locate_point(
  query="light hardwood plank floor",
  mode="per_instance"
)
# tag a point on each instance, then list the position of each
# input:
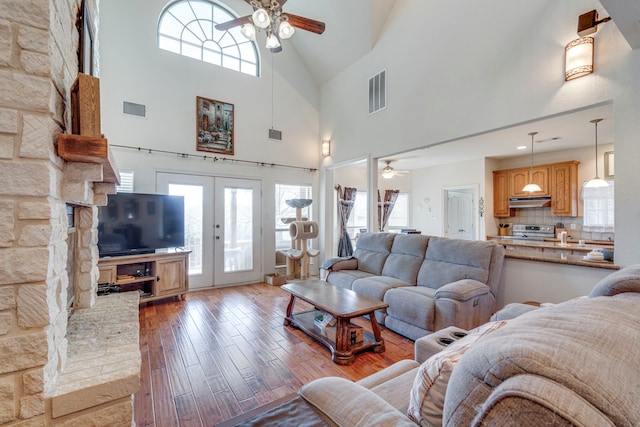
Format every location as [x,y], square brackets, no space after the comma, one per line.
[223,352]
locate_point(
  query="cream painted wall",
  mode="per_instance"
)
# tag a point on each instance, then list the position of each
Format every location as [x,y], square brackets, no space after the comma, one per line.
[509,73]
[428,191]
[134,69]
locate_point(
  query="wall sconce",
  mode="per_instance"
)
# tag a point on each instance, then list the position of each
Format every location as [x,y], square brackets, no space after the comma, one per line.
[578,59]
[326,148]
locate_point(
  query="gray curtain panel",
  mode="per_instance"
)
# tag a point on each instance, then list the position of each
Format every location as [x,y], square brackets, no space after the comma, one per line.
[386,207]
[346,199]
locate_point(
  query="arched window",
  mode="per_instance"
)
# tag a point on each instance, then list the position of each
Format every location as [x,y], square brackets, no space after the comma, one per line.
[187,27]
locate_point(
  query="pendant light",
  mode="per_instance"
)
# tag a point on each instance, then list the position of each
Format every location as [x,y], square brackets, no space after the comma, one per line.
[596,182]
[531,187]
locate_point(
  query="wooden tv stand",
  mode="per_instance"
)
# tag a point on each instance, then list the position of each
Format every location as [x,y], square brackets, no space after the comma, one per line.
[155,276]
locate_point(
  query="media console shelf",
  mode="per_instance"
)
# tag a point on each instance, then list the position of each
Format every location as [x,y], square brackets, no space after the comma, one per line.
[155,276]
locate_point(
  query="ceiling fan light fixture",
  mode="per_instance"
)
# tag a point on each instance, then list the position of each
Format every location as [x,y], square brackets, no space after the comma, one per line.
[249,31]
[285,30]
[272,41]
[261,18]
[388,172]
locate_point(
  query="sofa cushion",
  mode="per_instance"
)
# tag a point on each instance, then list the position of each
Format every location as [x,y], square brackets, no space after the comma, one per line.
[345,278]
[372,251]
[450,260]
[406,257]
[376,286]
[430,384]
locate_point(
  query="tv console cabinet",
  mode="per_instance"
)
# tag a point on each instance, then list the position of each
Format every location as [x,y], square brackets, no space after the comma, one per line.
[155,276]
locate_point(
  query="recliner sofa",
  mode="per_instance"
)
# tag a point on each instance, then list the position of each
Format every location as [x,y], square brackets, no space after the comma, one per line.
[429,282]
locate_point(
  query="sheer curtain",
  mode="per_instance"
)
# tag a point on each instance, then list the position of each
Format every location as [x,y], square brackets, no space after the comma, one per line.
[599,208]
[345,206]
[386,207]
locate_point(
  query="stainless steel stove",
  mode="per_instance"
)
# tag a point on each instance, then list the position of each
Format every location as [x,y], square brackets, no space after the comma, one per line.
[533,232]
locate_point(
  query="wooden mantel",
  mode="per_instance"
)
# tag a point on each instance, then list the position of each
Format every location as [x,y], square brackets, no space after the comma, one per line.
[89,149]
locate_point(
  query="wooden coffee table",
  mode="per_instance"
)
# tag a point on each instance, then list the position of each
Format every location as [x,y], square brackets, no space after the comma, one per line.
[344,305]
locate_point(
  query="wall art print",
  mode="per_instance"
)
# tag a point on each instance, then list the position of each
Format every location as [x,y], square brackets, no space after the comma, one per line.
[214,126]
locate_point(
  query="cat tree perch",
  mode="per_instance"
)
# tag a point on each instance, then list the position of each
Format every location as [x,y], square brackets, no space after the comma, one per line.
[298,257]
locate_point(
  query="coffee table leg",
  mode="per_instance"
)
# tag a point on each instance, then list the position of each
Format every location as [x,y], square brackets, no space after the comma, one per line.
[342,355]
[379,347]
[289,317]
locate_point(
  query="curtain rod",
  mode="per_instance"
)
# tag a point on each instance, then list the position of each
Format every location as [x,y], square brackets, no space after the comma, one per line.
[214,158]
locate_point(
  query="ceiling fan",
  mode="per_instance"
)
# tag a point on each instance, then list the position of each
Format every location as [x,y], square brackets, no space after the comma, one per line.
[389,172]
[268,16]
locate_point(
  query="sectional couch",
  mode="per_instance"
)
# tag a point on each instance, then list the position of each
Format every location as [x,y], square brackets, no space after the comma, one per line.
[568,364]
[429,282]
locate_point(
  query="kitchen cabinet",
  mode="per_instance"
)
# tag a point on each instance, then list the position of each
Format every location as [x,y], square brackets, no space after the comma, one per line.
[501,194]
[559,180]
[564,189]
[518,178]
[155,276]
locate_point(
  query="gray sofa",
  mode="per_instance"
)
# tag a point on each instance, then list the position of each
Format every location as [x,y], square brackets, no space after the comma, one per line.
[429,282]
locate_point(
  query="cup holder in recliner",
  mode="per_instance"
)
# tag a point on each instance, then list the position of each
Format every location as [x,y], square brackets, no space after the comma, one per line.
[445,341]
[457,335]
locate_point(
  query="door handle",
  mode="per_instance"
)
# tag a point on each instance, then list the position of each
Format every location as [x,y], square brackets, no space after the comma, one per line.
[217,237]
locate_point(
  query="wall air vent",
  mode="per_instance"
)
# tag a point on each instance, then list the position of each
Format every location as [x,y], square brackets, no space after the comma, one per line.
[133,109]
[275,134]
[378,92]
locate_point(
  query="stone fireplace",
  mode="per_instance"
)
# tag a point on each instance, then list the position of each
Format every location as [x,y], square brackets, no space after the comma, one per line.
[46,354]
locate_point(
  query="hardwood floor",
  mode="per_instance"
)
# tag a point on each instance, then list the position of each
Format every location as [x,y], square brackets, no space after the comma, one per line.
[223,352]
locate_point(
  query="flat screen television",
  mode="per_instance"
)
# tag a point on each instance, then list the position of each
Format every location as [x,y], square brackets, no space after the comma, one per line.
[134,223]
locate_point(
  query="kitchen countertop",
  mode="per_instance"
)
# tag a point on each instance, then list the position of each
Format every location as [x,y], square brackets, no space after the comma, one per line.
[534,251]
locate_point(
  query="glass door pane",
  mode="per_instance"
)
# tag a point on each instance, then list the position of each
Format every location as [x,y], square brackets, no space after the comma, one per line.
[193,222]
[238,229]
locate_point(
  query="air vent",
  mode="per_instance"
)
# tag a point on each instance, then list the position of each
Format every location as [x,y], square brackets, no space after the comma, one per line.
[378,92]
[275,134]
[133,109]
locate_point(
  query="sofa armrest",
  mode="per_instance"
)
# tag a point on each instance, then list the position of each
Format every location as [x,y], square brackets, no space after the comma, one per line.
[346,403]
[462,290]
[340,263]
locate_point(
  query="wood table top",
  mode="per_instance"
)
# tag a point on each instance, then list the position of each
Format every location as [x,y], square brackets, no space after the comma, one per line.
[332,299]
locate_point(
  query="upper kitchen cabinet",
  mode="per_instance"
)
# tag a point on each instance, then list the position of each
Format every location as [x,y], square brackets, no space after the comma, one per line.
[559,180]
[564,189]
[518,178]
[501,194]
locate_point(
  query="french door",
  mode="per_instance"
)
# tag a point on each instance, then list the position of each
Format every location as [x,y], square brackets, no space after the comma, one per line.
[222,227]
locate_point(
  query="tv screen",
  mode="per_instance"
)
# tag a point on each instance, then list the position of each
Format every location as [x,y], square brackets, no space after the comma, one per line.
[133,223]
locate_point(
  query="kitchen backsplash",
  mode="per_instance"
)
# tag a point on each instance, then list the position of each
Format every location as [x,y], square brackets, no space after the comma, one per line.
[543,216]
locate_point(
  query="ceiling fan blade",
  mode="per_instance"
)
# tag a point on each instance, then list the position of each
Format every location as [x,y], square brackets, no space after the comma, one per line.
[306,23]
[233,23]
[282,2]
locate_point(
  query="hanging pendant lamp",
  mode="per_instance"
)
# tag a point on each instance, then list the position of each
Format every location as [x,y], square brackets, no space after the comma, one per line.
[531,187]
[596,182]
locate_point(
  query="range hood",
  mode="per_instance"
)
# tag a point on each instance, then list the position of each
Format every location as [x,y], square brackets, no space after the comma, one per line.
[529,202]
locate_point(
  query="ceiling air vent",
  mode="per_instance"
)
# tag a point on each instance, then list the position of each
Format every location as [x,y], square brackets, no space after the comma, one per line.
[378,92]
[133,109]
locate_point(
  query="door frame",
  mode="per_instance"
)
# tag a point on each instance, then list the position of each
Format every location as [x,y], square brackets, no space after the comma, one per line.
[474,189]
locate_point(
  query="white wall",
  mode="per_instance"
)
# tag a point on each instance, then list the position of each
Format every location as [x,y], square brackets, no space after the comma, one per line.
[478,77]
[428,191]
[134,69]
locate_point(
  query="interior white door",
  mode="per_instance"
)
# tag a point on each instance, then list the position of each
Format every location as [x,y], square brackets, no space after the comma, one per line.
[460,215]
[237,231]
[198,193]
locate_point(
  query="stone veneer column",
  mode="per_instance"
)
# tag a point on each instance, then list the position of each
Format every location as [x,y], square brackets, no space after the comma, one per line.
[38,65]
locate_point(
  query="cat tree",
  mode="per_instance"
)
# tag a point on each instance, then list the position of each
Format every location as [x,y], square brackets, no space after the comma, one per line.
[298,257]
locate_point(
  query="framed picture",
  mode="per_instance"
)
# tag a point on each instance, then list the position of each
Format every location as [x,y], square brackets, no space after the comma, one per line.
[608,164]
[214,126]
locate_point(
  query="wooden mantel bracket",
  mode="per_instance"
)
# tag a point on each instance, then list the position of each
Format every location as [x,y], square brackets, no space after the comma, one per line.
[89,149]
